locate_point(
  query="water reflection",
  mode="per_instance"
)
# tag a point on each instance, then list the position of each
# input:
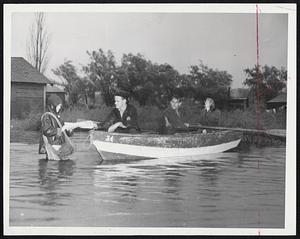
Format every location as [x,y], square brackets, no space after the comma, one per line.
[173,183]
[223,190]
[50,172]
[209,169]
[51,175]
[238,160]
[126,187]
[130,189]
[208,179]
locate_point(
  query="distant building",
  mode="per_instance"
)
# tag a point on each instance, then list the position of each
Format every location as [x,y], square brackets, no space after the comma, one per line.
[239,98]
[278,102]
[28,88]
[55,90]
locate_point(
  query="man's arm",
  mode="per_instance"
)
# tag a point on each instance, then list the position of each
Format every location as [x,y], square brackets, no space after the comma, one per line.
[109,120]
[48,128]
[132,121]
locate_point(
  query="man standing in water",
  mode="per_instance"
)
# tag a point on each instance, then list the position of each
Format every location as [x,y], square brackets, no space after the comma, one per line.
[123,118]
[51,129]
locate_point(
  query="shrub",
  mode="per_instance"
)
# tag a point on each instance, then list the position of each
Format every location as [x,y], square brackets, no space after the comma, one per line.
[240,119]
[247,119]
[150,117]
[32,122]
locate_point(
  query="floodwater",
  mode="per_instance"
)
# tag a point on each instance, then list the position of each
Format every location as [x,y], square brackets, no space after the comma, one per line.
[229,190]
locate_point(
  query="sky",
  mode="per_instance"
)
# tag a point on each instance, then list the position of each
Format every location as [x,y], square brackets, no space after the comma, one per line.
[223,41]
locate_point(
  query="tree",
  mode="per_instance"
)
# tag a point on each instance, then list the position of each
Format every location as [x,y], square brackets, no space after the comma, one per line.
[76,86]
[89,91]
[38,44]
[271,80]
[146,82]
[166,82]
[102,71]
[208,82]
[133,77]
[187,88]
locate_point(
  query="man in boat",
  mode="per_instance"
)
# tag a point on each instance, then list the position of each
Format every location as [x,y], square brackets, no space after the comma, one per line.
[173,117]
[51,129]
[123,118]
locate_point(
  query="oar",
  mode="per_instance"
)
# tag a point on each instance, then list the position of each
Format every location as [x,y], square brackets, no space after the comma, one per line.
[227,128]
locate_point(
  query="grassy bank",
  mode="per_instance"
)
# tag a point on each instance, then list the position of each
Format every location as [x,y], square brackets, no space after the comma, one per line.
[149,118]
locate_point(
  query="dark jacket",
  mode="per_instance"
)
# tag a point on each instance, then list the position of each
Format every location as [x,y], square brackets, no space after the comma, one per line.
[210,118]
[49,128]
[129,119]
[176,121]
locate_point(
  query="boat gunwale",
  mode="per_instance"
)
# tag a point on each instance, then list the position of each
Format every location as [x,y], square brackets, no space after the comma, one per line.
[155,134]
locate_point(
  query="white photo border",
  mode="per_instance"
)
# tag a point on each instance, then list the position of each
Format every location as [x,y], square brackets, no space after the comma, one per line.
[290,186]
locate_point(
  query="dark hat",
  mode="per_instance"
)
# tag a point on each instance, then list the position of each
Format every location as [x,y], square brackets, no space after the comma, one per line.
[121,93]
[177,93]
[54,100]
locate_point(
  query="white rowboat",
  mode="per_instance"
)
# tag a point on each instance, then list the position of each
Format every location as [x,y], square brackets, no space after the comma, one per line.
[120,146]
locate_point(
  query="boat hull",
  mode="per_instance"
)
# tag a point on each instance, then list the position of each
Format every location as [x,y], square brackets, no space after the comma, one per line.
[116,146]
[109,151]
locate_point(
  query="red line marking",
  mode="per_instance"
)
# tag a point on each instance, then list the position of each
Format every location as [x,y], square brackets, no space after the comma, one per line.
[258,125]
[257,40]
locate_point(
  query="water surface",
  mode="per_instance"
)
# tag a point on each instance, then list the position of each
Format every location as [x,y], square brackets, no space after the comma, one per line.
[237,189]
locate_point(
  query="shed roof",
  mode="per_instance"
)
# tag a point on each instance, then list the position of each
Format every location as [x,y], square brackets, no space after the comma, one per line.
[54,89]
[281,98]
[23,71]
[239,93]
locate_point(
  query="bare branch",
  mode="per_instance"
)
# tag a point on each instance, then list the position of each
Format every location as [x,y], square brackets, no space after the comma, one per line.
[38,44]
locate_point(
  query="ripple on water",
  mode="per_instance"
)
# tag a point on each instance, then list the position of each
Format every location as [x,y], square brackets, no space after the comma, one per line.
[222,190]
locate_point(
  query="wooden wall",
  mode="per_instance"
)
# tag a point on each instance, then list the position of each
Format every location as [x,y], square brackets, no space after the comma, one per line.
[27,97]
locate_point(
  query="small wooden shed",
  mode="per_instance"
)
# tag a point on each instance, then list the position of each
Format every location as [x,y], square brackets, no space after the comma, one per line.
[238,98]
[28,88]
[55,90]
[278,102]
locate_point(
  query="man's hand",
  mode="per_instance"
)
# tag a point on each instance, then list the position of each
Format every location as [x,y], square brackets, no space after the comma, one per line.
[95,126]
[168,124]
[59,131]
[113,127]
[63,128]
[122,125]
